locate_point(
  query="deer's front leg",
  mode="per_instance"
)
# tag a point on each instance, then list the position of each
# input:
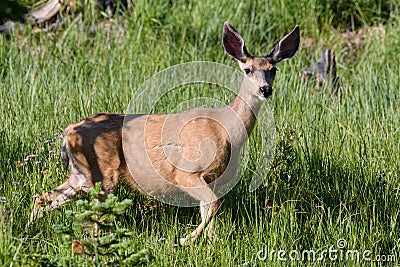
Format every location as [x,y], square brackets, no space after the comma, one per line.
[196,187]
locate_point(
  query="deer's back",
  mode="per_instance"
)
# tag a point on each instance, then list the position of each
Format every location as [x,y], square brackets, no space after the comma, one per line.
[149,150]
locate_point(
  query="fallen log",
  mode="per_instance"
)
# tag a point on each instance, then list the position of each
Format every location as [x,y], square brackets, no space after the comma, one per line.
[45,12]
[48,12]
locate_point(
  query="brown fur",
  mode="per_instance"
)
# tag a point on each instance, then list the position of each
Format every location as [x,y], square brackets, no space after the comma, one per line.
[162,154]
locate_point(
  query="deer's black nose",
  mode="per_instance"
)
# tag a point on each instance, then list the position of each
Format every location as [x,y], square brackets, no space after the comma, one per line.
[266,91]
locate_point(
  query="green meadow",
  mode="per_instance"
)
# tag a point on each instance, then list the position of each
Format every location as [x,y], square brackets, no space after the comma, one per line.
[334,183]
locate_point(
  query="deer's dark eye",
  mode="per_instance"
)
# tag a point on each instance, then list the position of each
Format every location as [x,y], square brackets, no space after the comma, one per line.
[272,71]
[247,71]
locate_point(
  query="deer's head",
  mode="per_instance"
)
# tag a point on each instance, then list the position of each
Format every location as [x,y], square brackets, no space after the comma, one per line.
[260,70]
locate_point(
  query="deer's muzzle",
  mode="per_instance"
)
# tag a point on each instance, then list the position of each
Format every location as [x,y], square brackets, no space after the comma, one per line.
[266,91]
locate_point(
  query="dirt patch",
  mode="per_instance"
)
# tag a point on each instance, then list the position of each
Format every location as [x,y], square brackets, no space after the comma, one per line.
[356,39]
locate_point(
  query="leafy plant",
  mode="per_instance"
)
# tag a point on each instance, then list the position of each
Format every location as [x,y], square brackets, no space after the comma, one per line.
[36,260]
[94,231]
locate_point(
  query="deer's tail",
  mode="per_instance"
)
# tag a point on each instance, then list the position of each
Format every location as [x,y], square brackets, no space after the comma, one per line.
[65,151]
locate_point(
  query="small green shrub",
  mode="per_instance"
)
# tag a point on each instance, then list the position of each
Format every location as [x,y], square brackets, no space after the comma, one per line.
[94,231]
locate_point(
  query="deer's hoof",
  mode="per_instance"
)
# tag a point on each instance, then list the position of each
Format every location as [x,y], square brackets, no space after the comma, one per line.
[184,241]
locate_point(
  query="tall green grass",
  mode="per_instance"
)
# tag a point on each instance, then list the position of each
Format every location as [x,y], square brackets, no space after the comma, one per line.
[336,170]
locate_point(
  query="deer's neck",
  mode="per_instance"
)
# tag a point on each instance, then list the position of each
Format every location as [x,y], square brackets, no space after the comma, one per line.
[245,107]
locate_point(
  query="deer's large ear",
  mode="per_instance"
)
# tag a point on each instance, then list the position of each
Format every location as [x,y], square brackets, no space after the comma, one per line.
[234,43]
[286,47]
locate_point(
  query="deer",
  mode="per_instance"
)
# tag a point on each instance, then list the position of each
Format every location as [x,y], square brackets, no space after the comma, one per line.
[163,154]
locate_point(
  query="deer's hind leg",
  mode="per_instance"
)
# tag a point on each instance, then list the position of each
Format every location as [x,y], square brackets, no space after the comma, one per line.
[77,181]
